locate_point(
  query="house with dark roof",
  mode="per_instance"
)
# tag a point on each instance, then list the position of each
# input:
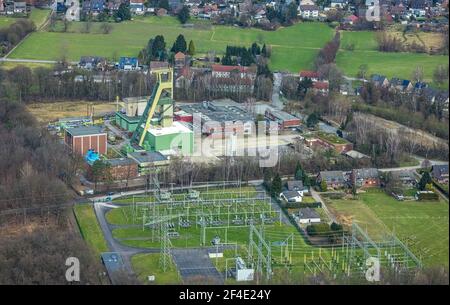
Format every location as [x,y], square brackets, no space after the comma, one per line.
[291,196]
[380,80]
[440,173]
[333,179]
[92,63]
[309,11]
[137,7]
[365,177]
[128,63]
[405,177]
[402,85]
[296,185]
[308,216]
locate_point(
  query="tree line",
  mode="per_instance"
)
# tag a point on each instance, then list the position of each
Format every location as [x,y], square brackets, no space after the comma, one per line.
[13,34]
[156,49]
[58,83]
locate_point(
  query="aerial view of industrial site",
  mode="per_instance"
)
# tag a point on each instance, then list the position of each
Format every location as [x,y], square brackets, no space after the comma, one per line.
[240,144]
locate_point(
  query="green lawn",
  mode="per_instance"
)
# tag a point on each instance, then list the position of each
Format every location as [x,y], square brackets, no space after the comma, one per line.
[38,16]
[89,227]
[7,21]
[389,64]
[423,226]
[148,264]
[294,47]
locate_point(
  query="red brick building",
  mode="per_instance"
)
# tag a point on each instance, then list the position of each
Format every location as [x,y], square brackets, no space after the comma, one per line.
[119,169]
[81,139]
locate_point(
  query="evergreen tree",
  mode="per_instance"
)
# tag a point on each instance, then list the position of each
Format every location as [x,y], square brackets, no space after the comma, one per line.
[183,14]
[323,186]
[123,13]
[276,185]
[156,48]
[179,45]
[312,120]
[191,48]
[299,173]
[424,180]
[264,51]
[164,4]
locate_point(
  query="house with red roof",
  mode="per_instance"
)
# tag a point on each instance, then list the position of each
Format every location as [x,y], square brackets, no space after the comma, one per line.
[321,87]
[312,75]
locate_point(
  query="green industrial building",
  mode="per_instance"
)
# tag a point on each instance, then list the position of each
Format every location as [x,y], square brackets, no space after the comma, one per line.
[128,123]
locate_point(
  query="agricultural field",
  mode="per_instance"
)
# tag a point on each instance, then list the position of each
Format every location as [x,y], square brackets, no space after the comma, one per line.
[390,64]
[422,226]
[48,112]
[89,228]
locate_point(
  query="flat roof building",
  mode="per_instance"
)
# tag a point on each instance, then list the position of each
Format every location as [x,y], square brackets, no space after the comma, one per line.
[83,138]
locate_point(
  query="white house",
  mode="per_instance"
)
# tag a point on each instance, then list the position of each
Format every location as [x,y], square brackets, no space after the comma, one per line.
[338,3]
[308,216]
[309,11]
[292,196]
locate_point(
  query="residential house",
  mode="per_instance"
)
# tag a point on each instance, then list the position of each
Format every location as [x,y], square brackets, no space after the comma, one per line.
[402,85]
[365,177]
[161,12]
[179,60]
[309,11]
[352,19]
[333,179]
[419,86]
[405,177]
[338,3]
[291,196]
[440,173]
[380,80]
[128,63]
[308,216]
[296,185]
[320,87]
[157,65]
[233,78]
[137,7]
[93,7]
[312,75]
[20,7]
[398,10]
[92,63]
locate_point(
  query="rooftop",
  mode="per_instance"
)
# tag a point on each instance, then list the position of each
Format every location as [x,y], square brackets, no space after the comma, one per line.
[119,161]
[147,156]
[85,130]
[176,127]
[308,213]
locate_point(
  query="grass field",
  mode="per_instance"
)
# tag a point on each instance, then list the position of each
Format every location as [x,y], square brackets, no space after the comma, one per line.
[389,64]
[7,21]
[294,47]
[39,16]
[423,226]
[148,264]
[48,112]
[90,230]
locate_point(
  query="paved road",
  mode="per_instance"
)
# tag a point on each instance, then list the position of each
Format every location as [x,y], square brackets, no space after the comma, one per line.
[114,246]
[195,264]
[317,197]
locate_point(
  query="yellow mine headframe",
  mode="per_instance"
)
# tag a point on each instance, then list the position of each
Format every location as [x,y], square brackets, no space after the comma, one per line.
[164,84]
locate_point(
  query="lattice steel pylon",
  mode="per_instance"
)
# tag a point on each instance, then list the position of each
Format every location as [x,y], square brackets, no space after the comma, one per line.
[263,251]
[166,246]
